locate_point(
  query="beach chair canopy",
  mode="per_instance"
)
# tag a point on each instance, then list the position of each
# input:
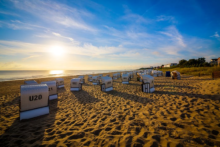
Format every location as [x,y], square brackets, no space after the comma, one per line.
[107,81]
[31,82]
[33,96]
[168,74]
[75,83]
[59,81]
[175,74]
[82,77]
[52,87]
[125,77]
[148,79]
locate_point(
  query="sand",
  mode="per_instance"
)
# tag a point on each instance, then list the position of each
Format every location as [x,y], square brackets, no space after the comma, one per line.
[179,113]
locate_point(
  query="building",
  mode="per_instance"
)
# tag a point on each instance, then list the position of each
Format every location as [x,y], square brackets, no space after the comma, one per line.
[214,61]
[171,64]
[219,61]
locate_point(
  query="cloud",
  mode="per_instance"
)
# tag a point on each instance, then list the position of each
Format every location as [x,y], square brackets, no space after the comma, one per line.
[9,13]
[134,18]
[166,18]
[18,25]
[69,38]
[157,53]
[216,35]
[9,65]
[52,11]
[33,56]
[174,34]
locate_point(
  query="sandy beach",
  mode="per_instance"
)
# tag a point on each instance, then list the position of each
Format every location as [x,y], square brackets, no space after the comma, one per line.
[179,113]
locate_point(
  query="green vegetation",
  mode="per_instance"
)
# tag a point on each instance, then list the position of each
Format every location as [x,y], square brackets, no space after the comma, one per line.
[200,62]
[195,71]
[193,67]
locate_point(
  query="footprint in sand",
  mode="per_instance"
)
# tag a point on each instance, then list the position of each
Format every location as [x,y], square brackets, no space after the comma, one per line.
[108,129]
[156,137]
[215,132]
[96,132]
[77,135]
[173,119]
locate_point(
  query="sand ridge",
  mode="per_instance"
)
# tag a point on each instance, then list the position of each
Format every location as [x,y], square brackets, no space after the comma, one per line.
[179,113]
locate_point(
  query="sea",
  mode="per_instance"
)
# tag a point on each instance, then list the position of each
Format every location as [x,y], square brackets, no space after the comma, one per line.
[32,74]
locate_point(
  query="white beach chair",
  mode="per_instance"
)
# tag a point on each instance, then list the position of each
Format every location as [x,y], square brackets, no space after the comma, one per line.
[125,79]
[34,101]
[30,82]
[95,80]
[106,84]
[115,76]
[90,78]
[60,82]
[52,87]
[147,83]
[75,84]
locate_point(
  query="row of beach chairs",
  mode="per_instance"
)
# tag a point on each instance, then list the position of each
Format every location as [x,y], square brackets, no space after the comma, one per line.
[34,97]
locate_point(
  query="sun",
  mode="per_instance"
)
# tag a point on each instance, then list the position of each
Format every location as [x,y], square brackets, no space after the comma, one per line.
[56,50]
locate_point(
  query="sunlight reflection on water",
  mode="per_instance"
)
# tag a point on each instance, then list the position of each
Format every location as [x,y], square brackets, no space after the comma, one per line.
[56,72]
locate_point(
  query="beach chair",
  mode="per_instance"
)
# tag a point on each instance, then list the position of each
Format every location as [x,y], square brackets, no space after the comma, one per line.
[30,82]
[34,101]
[168,74]
[175,75]
[75,84]
[60,82]
[125,79]
[82,80]
[147,83]
[118,75]
[139,76]
[106,84]
[90,78]
[95,80]
[100,76]
[52,88]
[154,73]
[115,76]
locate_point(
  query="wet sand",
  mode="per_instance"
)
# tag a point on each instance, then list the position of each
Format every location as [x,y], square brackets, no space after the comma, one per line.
[179,113]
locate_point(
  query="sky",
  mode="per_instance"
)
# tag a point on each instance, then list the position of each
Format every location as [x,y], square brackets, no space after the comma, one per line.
[106,34]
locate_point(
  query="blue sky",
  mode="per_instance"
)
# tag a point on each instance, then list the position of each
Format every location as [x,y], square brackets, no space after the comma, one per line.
[106,34]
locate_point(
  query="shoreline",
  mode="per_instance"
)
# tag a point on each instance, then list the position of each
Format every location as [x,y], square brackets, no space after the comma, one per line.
[56,76]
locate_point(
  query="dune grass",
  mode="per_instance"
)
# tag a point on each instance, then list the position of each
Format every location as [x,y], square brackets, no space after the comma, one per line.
[195,71]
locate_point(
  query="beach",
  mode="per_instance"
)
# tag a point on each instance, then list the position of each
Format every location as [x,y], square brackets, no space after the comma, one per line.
[179,113]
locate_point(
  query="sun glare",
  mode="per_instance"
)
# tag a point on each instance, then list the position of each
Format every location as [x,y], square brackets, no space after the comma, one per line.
[56,50]
[56,72]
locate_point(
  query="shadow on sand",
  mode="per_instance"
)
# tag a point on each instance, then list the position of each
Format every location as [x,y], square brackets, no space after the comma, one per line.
[61,90]
[132,97]
[84,97]
[27,132]
[202,96]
